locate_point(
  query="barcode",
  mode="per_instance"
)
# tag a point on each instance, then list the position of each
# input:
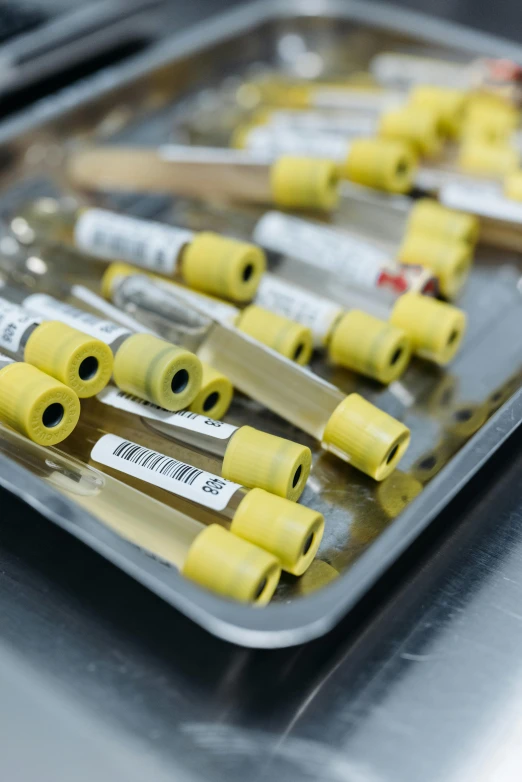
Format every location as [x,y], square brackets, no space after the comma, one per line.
[157,462]
[145,403]
[119,246]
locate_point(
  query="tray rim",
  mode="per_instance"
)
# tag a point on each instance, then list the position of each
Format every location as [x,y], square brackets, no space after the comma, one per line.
[314,615]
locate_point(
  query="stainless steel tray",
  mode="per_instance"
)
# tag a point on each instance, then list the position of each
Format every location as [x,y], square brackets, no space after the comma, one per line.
[458,418]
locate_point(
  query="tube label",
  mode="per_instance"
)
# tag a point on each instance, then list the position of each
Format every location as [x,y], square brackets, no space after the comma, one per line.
[350,259]
[313,311]
[144,243]
[482,200]
[348,123]
[14,322]
[183,419]
[156,468]
[276,141]
[49,308]
[206,305]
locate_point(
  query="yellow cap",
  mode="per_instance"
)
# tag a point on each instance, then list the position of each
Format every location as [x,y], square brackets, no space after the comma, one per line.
[370,346]
[158,371]
[480,157]
[231,567]
[215,395]
[416,125]
[435,328]
[283,335]
[366,437]
[289,531]
[494,122]
[513,186]
[280,93]
[222,266]
[305,183]
[37,405]
[447,102]
[381,163]
[81,362]
[396,492]
[430,217]
[449,259]
[261,460]
[116,271]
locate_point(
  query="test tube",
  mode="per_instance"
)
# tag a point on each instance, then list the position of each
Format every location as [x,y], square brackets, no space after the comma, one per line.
[35,404]
[144,365]
[210,556]
[293,182]
[350,427]
[288,531]
[80,361]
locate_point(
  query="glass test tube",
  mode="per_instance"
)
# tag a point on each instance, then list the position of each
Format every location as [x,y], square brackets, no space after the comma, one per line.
[415,125]
[242,454]
[76,359]
[35,404]
[144,365]
[174,252]
[350,426]
[210,556]
[289,531]
[209,173]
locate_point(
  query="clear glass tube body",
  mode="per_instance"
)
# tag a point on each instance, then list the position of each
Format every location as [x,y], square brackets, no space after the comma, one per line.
[163,531]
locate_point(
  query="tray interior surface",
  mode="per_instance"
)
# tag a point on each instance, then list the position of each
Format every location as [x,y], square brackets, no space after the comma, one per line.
[443,408]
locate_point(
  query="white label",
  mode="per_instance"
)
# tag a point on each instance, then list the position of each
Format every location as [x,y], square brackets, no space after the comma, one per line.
[350,124]
[156,468]
[352,260]
[482,200]
[406,70]
[297,304]
[356,99]
[275,141]
[52,309]
[142,242]
[183,419]
[206,305]
[14,322]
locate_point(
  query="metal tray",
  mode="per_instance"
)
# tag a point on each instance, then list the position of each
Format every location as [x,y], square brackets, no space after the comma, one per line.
[458,418]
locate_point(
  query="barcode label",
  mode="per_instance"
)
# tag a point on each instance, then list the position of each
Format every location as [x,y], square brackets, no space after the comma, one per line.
[482,200]
[52,309]
[347,123]
[145,243]
[275,141]
[183,419]
[350,259]
[167,473]
[14,322]
[296,304]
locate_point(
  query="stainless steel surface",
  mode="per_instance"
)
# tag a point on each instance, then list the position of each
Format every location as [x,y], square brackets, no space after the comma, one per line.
[368,525]
[422,682]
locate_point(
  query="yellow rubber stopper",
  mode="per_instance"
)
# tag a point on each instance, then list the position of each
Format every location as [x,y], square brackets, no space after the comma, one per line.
[370,346]
[305,183]
[449,259]
[36,405]
[261,460]
[289,531]
[381,163]
[419,126]
[215,395]
[447,102]
[158,371]
[494,122]
[283,335]
[430,217]
[495,160]
[513,186]
[366,437]
[435,328]
[222,266]
[79,361]
[231,567]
